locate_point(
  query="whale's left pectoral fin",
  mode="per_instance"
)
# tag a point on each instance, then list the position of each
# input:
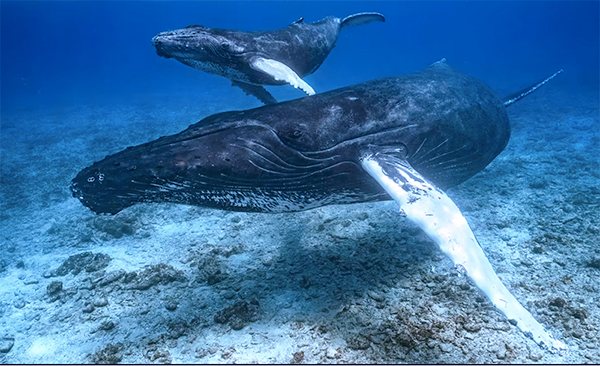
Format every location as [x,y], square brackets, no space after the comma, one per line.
[435,213]
[258,91]
[281,72]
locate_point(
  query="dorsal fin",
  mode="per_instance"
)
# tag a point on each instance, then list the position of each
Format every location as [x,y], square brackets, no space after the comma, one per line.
[361,18]
[525,92]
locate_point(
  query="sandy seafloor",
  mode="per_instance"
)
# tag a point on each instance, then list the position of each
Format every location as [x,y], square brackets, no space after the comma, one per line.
[339,284]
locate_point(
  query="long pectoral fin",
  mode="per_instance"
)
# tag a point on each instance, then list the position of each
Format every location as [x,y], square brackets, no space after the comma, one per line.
[258,91]
[281,72]
[436,214]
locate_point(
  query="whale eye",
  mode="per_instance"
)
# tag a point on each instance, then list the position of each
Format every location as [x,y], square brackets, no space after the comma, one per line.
[294,135]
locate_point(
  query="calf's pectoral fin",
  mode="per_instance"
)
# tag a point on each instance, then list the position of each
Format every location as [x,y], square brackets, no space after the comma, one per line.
[258,91]
[281,72]
[435,213]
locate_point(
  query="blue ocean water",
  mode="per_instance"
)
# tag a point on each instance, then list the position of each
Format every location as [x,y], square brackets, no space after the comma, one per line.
[62,52]
[80,80]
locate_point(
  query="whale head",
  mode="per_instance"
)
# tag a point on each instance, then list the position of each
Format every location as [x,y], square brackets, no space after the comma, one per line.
[197,44]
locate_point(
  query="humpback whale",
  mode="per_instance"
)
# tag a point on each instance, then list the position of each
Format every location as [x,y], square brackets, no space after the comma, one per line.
[253,59]
[404,138]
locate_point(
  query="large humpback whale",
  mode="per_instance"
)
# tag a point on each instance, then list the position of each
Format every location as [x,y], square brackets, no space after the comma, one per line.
[404,138]
[253,59]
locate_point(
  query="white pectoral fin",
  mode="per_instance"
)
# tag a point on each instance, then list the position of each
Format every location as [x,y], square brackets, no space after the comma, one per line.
[281,72]
[436,214]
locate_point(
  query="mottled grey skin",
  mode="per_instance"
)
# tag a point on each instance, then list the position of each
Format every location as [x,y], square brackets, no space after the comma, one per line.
[306,153]
[230,53]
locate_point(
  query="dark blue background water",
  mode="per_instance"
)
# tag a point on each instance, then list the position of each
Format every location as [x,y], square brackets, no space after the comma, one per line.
[77,52]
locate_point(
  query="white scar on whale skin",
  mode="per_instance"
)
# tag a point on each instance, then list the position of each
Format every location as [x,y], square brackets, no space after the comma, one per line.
[435,213]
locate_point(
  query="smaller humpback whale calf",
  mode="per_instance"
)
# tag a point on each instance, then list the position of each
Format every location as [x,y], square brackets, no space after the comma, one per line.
[253,59]
[404,138]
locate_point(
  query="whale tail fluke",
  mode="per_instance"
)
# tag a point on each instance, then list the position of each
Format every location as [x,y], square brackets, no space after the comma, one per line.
[361,18]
